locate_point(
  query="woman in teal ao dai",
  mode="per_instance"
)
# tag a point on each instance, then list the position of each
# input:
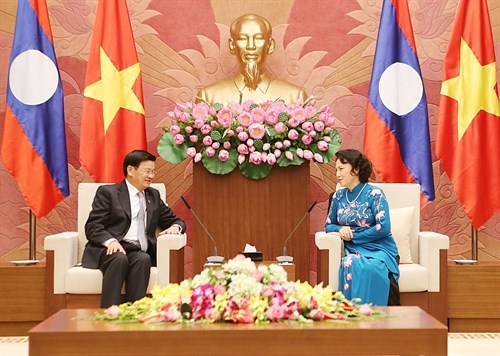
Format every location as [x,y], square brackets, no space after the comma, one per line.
[360,214]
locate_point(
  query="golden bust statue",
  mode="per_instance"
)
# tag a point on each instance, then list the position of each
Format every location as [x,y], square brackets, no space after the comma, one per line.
[251,41]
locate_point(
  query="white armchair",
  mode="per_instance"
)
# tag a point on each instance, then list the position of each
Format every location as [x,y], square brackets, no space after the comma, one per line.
[69,280]
[421,280]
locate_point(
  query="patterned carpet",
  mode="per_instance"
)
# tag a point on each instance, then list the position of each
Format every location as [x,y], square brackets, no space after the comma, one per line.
[459,344]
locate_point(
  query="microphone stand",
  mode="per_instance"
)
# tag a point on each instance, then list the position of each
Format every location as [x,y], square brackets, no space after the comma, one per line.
[285,259]
[215,259]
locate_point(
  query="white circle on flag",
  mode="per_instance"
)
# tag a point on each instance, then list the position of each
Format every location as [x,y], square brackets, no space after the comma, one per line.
[400,88]
[33,77]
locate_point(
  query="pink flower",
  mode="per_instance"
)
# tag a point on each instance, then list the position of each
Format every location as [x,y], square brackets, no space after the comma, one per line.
[272,118]
[223,155]
[300,152]
[189,130]
[258,115]
[242,149]
[210,152]
[241,158]
[242,136]
[197,158]
[271,159]
[293,134]
[200,111]
[178,139]
[216,145]
[306,139]
[322,146]
[365,310]
[266,146]
[191,152]
[256,158]
[257,275]
[245,119]
[230,133]
[277,153]
[293,122]
[227,145]
[318,158]
[207,140]
[307,126]
[174,130]
[319,126]
[112,312]
[346,286]
[213,124]
[349,277]
[299,114]
[225,117]
[289,155]
[287,143]
[172,315]
[205,129]
[278,145]
[198,124]
[280,127]
[275,313]
[256,131]
[193,138]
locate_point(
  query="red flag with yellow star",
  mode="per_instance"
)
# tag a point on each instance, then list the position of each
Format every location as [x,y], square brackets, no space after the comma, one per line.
[468,137]
[113,121]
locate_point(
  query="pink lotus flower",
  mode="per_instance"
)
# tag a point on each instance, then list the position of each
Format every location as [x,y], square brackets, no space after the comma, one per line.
[272,117]
[293,122]
[287,143]
[191,152]
[200,111]
[207,140]
[275,313]
[223,155]
[293,134]
[289,155]
[216,145]
[189,130]
[256,131]
[225,117]
[256,158]
[197,158]
[241,159]
[174,129]
[277,153]
[306,139]
[193,138]
[227,145]
[210,152]
[178,139]
[242,136]
[205,129]
[245,119]
[280,127]
[300,152]
[307,126]
[271,159]
[258,115]
[322,146]
[319,126]
[318,158]
[242,149]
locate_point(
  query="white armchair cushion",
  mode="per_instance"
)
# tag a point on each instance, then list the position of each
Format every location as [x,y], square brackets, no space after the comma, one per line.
[81,280]
[413,278]
[401,220]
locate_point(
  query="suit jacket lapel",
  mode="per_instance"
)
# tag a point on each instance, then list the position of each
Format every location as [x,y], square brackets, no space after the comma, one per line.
[124,198]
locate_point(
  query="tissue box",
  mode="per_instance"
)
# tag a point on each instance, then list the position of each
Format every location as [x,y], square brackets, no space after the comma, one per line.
[254,256]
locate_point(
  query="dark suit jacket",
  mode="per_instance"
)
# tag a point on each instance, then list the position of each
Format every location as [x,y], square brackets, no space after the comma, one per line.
[111,217]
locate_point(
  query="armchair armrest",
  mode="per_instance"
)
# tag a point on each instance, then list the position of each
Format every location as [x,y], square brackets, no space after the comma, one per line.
[429,244]
[164,245]
[333,243]
[65,247]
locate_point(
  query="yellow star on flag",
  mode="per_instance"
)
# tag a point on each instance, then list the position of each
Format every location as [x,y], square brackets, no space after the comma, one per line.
[473,89]
[115,89]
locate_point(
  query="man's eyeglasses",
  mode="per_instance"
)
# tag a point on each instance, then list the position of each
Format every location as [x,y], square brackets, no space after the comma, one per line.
[148,172]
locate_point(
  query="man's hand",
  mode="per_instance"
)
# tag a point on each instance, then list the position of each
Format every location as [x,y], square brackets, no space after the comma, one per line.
[174,229]
[115,246]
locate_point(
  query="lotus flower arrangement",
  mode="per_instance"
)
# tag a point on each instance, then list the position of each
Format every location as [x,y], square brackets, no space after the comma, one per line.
[253,136]
[240,292]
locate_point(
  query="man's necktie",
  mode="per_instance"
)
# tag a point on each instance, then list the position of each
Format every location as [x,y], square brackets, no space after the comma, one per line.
[141,227]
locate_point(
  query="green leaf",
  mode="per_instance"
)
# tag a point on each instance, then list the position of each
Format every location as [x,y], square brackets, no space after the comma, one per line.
[254,171]
[215,166]
[285,162]
[170,151]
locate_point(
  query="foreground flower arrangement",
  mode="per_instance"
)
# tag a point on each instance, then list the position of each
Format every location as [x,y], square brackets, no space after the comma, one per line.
[254,136]
[240,292]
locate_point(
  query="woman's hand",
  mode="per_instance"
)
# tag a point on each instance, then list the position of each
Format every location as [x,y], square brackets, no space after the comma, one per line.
[346,233]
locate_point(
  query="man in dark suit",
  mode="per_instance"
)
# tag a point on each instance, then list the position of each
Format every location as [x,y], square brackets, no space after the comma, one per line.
[121,230]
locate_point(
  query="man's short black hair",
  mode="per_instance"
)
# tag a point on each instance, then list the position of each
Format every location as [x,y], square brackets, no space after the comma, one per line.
[135,158]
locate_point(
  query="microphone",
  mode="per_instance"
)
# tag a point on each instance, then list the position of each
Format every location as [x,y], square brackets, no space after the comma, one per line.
[289,259]
[215,259]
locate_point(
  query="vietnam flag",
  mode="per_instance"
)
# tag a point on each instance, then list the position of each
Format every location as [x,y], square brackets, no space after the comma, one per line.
[397,137]
[113,121]
[34,137]
[468,140]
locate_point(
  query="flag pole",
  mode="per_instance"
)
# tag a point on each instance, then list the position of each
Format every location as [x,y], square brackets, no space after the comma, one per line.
[32,236]
[474,243]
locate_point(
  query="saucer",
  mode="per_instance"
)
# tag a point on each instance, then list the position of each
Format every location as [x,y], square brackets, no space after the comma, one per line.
[465,262]
[24,262]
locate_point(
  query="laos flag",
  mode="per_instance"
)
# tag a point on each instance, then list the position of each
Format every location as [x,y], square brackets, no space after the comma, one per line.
[397,137]
[34,141]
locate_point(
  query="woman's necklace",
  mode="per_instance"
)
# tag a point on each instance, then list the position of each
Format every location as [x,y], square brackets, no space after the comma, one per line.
[351,202]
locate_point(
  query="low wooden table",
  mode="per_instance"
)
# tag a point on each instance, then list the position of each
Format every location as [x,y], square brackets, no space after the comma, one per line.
[406,331]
